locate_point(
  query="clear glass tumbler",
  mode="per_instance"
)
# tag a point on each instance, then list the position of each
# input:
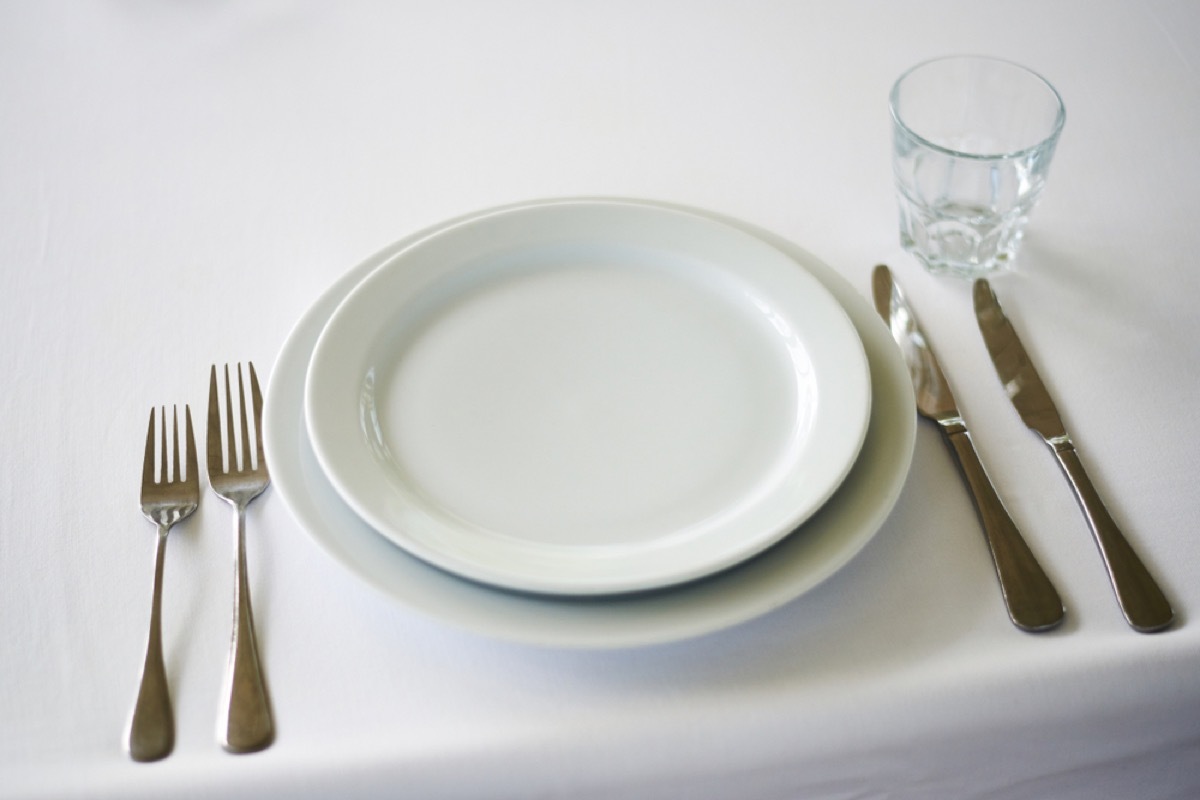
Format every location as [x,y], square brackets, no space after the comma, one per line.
[973,138]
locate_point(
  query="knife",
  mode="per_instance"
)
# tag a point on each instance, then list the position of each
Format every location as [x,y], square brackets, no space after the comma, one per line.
[1141,600]
[1030,598]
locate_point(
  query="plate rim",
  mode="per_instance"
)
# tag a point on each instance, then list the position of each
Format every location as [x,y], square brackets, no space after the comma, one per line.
[518,564]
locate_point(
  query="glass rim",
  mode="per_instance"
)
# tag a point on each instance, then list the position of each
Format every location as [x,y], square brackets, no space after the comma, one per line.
[1059,121]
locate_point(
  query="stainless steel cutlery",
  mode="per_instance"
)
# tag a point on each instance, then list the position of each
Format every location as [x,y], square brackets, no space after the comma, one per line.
[1032,602]
[238,475]
[1142,602]
[237,472]
[172,497]
[1030,598]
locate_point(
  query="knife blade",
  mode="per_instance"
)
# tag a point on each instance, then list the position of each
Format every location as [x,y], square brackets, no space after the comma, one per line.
[1141,600]
[1032,602]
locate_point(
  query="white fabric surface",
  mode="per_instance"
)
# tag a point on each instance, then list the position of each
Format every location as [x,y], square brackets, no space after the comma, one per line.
[180,181]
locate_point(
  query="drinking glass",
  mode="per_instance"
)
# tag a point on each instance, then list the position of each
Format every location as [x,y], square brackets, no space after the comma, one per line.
[973,138]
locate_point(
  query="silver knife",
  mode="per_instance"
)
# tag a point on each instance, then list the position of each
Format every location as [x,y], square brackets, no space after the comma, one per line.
[1141,600]
[1030,598]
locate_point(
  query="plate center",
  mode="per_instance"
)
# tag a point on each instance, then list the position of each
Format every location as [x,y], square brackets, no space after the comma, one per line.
[592,404]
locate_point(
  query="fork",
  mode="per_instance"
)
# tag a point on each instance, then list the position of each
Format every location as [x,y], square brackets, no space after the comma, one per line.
[151,732]
[246,710]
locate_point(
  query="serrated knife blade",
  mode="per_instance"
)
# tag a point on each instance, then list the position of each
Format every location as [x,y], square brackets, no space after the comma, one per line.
[1141,600]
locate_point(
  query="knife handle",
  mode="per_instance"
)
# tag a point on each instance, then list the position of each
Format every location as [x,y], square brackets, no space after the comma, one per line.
[1142,602]
[1032,601]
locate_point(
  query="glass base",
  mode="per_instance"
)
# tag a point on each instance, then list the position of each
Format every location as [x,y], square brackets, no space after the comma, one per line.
[958,269]
[961,242]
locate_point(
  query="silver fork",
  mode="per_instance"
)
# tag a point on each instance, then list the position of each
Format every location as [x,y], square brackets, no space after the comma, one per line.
[246,710]
[151,732]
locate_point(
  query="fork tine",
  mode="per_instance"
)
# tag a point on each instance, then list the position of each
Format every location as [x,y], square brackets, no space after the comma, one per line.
[175,444]
[162,458]
[213,444]
[246,465]
[148,461]
[193,470]
[229,434]
[256,397]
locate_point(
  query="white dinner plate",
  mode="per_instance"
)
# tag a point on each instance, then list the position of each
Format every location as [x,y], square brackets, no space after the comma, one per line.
[587,397]
[831,538]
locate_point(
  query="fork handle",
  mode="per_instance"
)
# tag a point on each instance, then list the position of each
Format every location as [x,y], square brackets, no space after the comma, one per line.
[248,723]
[151,733]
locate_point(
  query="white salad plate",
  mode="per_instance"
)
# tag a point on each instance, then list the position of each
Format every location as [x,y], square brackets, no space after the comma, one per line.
[587,397]
[842,527]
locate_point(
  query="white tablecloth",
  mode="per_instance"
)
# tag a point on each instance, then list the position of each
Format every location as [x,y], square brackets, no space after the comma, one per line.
[180,181]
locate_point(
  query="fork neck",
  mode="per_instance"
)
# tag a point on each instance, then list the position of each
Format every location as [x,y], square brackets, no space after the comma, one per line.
[165,519]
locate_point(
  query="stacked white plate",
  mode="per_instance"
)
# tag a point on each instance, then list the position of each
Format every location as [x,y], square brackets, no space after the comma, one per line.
[590,423]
